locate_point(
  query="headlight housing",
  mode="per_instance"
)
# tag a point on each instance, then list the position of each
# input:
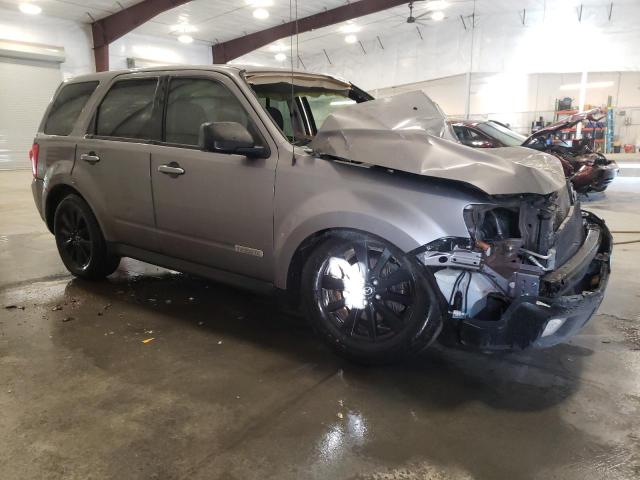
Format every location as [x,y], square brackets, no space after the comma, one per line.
[488,223]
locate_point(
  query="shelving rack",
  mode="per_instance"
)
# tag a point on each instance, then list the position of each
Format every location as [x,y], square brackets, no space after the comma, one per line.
[600,138]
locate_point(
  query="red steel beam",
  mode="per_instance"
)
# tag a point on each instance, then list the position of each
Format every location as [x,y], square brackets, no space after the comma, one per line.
[226,51]
[110,28]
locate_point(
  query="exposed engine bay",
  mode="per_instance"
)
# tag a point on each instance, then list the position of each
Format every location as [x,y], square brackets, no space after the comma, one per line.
[525,248]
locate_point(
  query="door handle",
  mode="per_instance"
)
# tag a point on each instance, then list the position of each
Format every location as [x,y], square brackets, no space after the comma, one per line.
[90,157]
[171,169]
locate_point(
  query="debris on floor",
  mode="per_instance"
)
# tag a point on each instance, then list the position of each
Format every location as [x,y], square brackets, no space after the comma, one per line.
[13,307]
[67,319]
[56,308]
[147,340]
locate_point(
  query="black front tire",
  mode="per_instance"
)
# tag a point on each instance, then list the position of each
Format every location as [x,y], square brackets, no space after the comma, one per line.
[80,242]
[369,301]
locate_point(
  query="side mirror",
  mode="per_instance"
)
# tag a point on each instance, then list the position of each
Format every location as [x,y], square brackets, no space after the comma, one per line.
[229,137]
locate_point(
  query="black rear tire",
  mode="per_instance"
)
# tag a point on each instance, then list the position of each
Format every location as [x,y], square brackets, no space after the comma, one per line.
[368,301]
[80,242]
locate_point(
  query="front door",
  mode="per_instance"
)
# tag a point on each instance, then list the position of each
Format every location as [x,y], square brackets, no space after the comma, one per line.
[112,162]
[213,209]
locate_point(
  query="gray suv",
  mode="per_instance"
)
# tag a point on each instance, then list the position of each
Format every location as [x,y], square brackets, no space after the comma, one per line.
[388,233]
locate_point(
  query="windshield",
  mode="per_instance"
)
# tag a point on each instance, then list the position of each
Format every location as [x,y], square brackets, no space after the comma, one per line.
[300,113]
[501,133]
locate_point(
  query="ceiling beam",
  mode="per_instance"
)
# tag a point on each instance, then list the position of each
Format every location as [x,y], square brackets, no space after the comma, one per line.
[226,51]
[108,29]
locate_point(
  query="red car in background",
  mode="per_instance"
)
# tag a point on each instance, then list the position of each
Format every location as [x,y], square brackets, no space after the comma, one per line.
[589,171]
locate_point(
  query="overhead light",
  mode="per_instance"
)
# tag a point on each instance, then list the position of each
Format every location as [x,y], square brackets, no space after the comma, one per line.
[437,16]
[281,57]
[185,39]
[576,86]
[437,5]
[277,47]
[183,27]
[351,39]
[350,28]
[30,8]
[261,13]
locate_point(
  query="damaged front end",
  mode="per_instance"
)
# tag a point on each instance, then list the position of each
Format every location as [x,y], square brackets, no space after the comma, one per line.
[531,274]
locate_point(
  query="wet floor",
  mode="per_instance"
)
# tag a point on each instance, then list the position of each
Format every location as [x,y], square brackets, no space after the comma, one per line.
[160,375]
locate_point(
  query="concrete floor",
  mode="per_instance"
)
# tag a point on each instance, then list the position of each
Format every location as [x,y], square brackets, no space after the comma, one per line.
[232,388]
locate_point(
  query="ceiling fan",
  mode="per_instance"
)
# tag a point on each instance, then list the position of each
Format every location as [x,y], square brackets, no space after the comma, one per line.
[417,18]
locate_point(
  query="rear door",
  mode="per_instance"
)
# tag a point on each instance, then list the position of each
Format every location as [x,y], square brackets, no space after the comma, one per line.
[112,162]
[219,211]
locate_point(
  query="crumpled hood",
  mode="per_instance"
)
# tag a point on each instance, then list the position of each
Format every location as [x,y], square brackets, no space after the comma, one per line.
[409,132]
[568,122]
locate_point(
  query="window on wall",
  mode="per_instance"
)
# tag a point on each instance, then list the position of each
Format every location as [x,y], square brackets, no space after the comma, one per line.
[194,101]
[67,107]
[127,110]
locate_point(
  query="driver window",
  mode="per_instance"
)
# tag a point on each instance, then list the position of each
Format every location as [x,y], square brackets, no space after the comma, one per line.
[194,101]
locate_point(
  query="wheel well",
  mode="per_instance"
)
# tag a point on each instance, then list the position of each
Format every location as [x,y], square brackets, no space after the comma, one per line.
[294,274]
[53,199]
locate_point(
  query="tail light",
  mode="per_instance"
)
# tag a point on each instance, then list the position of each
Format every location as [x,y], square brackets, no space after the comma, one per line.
[33,156]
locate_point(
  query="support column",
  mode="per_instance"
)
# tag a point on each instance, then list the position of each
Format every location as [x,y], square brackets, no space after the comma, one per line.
[101,56]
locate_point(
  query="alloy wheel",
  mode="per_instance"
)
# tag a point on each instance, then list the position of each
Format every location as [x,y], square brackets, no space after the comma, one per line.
[365,292]
[75,236]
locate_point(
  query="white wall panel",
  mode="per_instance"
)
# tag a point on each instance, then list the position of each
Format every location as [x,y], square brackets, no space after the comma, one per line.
[156,49]
[74,37]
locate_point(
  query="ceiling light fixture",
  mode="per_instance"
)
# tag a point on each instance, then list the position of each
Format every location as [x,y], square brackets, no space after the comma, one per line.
[277,47]
[351,39]
[261,13]
[281,57]
[183,27]
[30,8]
[350,28]
[437,16]
[185,39]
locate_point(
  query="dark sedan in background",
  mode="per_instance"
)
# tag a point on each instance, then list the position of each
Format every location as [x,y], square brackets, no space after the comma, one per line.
[589,171]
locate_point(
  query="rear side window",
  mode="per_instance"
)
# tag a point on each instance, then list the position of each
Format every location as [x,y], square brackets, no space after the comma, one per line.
[127,109]
[67,107]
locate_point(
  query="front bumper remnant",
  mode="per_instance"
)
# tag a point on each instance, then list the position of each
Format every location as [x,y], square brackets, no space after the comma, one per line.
[572,294]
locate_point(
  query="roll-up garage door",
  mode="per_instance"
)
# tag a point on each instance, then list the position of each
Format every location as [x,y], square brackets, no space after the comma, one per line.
[26,87]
